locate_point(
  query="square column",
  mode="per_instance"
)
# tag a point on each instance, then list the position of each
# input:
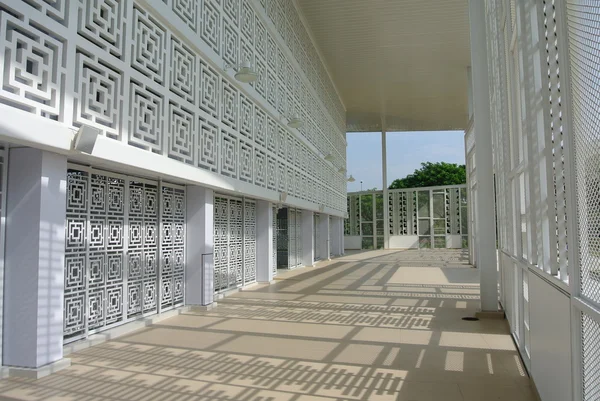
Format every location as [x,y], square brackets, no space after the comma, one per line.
[484,199]
[34,262]
[199,267]
[264,241]
[324,245]
[308,243]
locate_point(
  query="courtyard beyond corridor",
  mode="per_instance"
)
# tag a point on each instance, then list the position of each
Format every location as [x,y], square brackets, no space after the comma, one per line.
[377,325]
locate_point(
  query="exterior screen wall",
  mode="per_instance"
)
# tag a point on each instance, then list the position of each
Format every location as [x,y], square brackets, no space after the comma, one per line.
[235,242]
[433,217]
[114,270]
[149,74]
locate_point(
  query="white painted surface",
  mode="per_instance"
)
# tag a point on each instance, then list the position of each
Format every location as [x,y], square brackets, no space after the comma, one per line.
[199,287]
[324,247]
[486,225]
[453,241]
[419,48]
[308,242]
[264,241]
[550,333]
[404,241]
[352,242]
[34,259]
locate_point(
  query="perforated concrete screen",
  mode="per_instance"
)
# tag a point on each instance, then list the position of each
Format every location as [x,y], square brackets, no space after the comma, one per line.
[151,75]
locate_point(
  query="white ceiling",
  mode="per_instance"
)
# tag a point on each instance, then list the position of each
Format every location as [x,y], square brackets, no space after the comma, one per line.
[405,59]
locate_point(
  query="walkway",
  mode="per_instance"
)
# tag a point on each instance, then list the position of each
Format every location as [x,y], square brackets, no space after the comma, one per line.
[378,325]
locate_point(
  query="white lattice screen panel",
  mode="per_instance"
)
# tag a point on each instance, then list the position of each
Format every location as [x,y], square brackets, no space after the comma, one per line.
[407,218]
[149,74]
[274,251]
[235,242]
[114,269]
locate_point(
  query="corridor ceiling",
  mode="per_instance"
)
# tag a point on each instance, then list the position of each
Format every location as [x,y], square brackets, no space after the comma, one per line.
[404,59]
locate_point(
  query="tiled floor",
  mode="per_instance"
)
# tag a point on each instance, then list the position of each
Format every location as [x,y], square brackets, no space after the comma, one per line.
[379,325]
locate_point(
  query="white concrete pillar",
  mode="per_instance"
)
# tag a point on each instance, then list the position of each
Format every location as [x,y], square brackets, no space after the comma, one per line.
[324,237]
[199,268]
[486,229]
[264,241]
[308,243]
[386,211]
[34,259]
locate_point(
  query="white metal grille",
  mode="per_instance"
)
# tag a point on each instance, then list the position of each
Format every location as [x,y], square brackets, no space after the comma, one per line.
[590,348]
[111,256]
[274,251]
[317,236]
[172,246]
[583,18]
[249,242]
[434,214]
[235,242]
[142,251]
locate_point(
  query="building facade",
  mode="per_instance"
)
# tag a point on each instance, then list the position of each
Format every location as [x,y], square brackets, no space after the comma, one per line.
[140,173]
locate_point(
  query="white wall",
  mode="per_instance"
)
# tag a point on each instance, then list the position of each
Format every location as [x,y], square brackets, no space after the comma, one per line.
[550,336]
[34,258]
[199,267]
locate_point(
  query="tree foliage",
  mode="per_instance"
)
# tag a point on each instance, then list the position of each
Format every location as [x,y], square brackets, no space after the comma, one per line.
[433,174]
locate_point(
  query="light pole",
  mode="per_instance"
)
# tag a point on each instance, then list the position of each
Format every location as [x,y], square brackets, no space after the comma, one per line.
[360,185]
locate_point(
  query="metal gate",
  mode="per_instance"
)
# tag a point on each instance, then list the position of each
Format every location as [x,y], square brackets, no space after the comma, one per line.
[295,248]
[317,236]
[118,227]
[235,242]
[274,255]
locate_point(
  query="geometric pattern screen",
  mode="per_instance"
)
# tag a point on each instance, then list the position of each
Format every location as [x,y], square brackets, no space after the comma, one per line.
[150,75]
[234,242]
[114,271]
[432,214]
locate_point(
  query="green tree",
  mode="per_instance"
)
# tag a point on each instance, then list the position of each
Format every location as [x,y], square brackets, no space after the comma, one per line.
[433,174]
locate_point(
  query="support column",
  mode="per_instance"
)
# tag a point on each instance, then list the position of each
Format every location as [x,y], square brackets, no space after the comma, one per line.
[324,237]
[486,230]
[308,243]
[386,211]
[199,267]
[34,262]
[264,241]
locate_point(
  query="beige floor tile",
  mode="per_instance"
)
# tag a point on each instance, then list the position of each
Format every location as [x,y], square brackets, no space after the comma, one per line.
[320,333]
[283,328]
[279,347]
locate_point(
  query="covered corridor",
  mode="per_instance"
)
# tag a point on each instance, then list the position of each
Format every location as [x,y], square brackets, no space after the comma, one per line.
[376,325]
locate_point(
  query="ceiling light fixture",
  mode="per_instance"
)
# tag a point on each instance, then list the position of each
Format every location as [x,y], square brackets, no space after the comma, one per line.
[342,170]
[243,72]
[351,179]
[329,157]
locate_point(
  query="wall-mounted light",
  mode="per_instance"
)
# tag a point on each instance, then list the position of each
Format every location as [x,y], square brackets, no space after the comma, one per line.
[243,72]
[283,196]
[351,179]
[85,139]
[321,208]
[329,157]
[293,122]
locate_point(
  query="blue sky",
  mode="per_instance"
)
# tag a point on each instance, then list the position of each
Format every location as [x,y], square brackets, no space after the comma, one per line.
[405,153]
